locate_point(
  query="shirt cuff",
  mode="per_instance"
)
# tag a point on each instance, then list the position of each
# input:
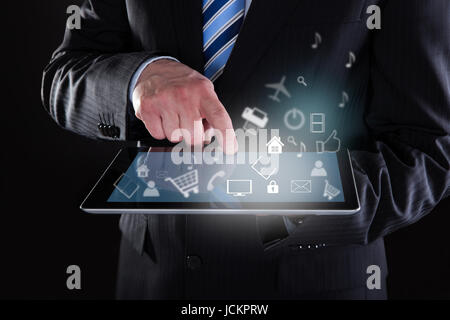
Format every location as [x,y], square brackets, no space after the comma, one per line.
[141,68]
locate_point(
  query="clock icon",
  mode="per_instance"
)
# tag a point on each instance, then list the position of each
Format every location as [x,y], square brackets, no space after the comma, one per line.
[294,119]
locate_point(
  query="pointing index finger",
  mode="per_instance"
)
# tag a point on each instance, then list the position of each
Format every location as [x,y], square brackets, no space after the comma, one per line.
[217,116]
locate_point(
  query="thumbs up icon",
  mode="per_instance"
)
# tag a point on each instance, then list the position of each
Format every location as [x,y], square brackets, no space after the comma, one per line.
[331,144]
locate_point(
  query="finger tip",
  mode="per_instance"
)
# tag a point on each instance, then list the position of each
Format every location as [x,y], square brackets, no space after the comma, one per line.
[231,148]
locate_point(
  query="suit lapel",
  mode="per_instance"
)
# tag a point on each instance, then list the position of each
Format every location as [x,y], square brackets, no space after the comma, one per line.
[261,25]
[188,26]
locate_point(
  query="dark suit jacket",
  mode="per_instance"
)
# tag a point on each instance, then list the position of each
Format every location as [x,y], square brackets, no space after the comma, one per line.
[396,125]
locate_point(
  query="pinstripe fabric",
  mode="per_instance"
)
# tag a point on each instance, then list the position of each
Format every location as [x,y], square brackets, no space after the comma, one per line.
[222,20]
[395,126]
[234,264]
[88,102]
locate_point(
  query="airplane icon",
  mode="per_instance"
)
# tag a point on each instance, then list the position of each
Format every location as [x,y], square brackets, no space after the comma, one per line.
[279,87]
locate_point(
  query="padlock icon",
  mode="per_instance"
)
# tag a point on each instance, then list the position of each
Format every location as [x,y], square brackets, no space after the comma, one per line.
[272,187]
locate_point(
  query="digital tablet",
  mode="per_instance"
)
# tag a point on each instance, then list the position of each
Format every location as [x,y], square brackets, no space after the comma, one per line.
[164,180]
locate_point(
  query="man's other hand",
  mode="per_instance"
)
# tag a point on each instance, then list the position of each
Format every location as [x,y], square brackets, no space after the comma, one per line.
[169,96]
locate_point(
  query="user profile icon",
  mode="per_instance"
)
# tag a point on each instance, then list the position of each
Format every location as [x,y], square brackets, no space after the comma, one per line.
[151,190]
[318,170]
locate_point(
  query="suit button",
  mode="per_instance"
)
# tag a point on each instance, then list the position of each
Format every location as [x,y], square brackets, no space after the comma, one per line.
[101,128]
[193,262]
[116,132]
[299,220]
[109,130]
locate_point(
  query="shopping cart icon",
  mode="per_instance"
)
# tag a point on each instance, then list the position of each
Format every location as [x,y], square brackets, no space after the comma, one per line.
[330,191]
[186,183]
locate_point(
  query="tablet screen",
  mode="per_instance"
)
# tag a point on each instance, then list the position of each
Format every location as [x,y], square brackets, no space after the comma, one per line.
[287,177]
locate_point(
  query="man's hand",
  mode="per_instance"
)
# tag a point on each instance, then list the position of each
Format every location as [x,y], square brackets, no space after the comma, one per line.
[169,96]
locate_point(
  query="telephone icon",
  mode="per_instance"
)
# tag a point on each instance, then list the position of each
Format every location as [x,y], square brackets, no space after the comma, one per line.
[220,174]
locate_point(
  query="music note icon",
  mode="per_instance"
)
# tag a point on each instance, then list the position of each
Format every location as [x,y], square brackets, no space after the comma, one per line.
[344,99]
[317,39]
[302,150]
[351,60]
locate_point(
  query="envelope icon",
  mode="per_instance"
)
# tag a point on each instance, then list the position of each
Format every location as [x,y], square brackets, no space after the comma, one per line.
[301,186]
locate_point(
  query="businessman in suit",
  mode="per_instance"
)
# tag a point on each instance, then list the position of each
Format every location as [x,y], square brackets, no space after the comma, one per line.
[139,69]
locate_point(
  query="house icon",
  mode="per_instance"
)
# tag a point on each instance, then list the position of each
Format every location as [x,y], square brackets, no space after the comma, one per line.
[142,171]
[274,146]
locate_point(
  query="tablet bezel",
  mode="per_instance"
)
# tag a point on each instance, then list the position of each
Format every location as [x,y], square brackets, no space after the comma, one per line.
[97,199]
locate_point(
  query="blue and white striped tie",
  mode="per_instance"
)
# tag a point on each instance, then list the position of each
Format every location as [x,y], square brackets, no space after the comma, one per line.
[222,20]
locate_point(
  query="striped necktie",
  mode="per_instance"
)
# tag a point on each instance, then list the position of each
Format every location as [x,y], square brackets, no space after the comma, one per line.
[222,20]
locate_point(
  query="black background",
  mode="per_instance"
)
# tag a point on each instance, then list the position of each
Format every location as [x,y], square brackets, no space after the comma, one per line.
[47,171]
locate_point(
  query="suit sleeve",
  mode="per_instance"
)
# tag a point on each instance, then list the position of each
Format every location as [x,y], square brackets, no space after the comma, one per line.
[409,118]
[405,171]
[87,80]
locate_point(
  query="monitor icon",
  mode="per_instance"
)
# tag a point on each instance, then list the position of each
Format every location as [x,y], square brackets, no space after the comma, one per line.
[239,188]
